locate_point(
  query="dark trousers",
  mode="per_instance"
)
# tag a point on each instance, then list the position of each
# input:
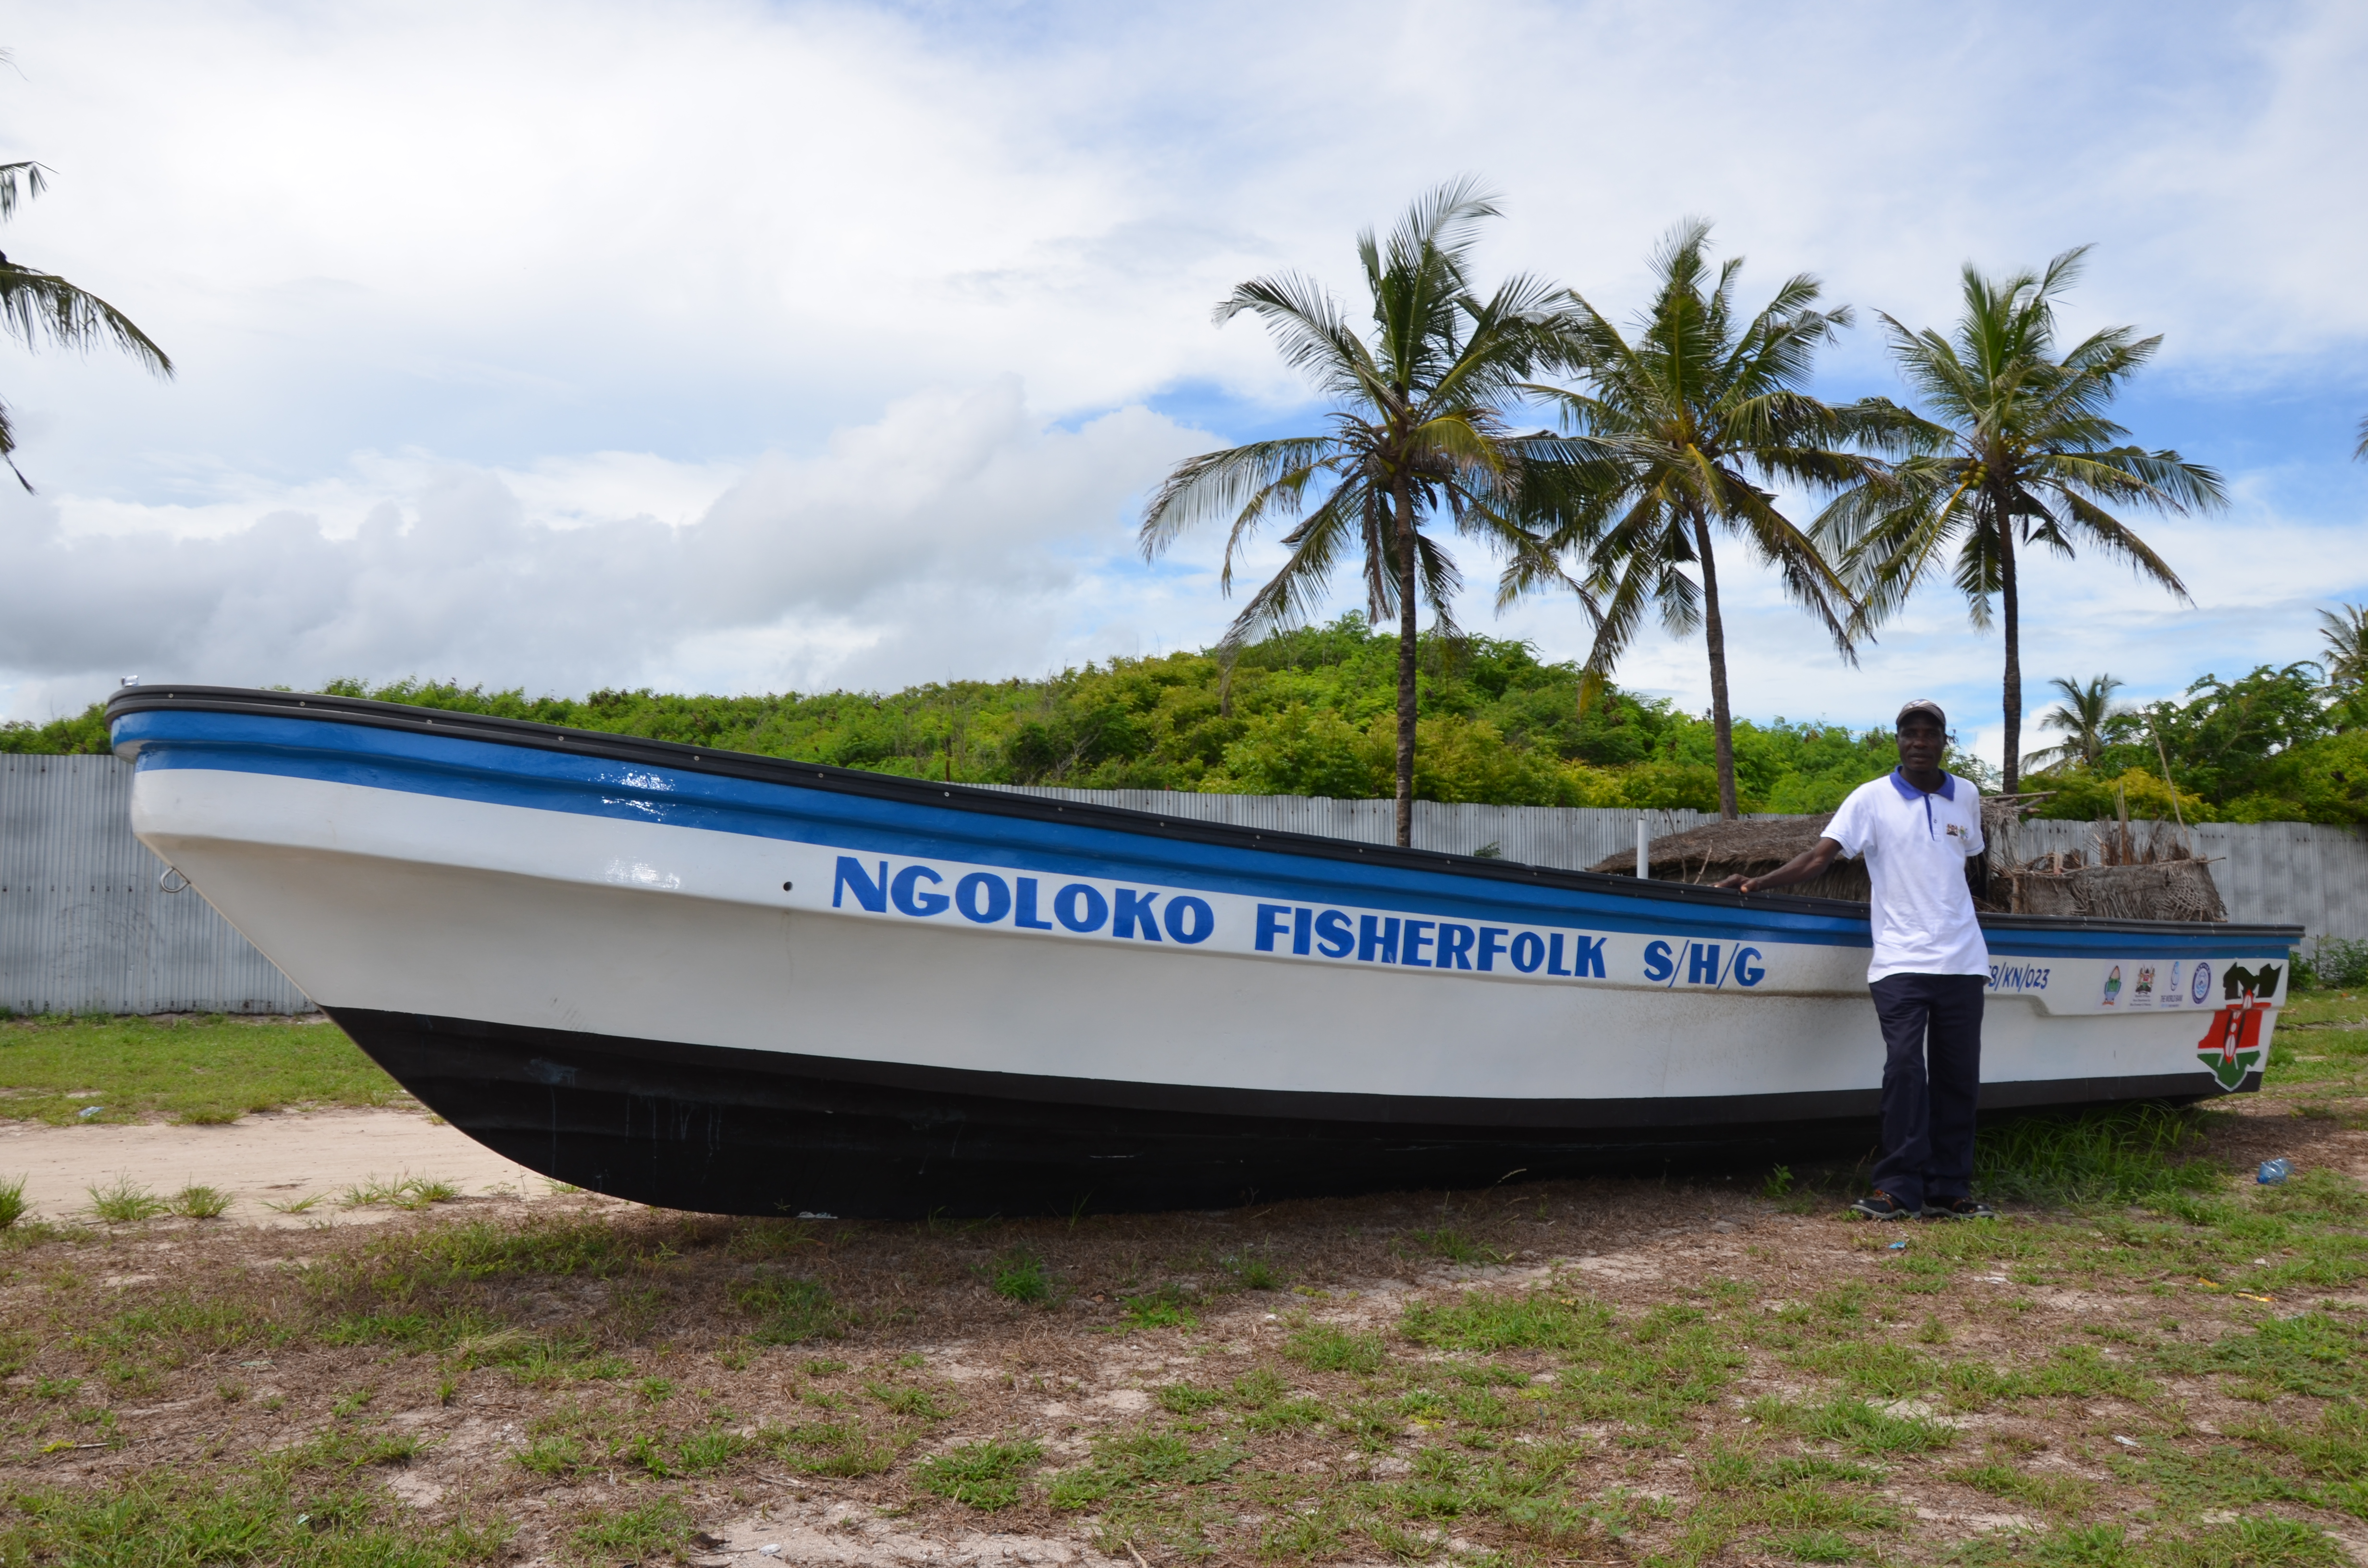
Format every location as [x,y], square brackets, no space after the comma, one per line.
[1931,1080]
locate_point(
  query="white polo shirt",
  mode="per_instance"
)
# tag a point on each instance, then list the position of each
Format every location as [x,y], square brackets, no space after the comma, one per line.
[1916,847]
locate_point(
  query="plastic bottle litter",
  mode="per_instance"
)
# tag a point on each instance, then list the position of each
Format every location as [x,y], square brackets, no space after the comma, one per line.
[90,1112]
[2274,1171]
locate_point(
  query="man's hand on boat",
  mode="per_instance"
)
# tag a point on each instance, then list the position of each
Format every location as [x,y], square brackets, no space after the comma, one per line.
[1810,862]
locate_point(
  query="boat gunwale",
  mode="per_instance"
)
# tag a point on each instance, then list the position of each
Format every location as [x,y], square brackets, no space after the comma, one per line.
[607,745]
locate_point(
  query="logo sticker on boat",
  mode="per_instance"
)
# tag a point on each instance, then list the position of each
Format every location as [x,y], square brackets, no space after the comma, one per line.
[2112,993]
[2231,1046]
[2142,993]
[2201,986]
[2171,996]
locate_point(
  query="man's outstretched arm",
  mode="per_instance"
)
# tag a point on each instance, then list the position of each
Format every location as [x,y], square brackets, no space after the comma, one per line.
[1808,863]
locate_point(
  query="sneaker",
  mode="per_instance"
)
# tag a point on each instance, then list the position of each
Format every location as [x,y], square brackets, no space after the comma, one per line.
[1959,1209]
[1882,1206]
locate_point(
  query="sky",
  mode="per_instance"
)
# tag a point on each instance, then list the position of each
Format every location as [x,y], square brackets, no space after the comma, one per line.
[754,348]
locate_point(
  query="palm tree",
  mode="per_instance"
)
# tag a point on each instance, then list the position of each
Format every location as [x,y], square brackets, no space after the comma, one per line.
[2346,636]
[1420,435]
[2017,452]
[2087,718]
[37,305]
[1675,428]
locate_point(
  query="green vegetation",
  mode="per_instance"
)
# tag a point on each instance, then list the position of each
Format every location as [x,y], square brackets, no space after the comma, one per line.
[122,1203]
[199,1202]
[189,1070]
[304,1514]
[1308,712]
[986,1476]
[2121,1154]
[2279,744]
[789,1310]
[1021,1276]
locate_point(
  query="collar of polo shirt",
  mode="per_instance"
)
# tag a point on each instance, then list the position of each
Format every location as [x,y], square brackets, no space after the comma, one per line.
[1947,791]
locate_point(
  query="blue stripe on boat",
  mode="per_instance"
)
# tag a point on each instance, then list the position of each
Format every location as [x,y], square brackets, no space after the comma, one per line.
[533,779]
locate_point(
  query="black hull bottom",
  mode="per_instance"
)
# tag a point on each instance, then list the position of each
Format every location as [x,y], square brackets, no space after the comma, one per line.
[757,1133]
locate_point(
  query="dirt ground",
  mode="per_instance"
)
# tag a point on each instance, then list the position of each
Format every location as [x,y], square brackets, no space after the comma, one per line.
[553,1365]
[256,1162]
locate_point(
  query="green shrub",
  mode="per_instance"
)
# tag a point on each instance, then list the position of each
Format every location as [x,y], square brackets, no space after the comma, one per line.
[2333,964]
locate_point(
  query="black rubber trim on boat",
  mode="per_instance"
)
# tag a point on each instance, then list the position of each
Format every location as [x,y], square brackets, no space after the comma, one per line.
[1006,803]
[758,1132]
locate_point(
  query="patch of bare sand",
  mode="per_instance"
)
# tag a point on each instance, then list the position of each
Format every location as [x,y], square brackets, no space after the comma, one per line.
[256,1160]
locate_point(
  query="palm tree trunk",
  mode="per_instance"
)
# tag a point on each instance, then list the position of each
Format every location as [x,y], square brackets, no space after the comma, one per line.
[1406,662]
[1721,718]
[2013,619]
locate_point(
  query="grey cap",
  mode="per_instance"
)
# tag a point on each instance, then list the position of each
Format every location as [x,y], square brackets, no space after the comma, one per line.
[1926,706]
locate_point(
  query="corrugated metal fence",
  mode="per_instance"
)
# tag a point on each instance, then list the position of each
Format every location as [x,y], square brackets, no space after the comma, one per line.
[85,927]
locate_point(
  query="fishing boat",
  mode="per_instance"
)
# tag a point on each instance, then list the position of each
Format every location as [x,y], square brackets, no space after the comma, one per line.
[735,984]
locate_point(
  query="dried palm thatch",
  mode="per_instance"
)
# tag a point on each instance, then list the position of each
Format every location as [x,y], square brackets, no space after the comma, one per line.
[1749,847]
[2168,889]
[2133,873]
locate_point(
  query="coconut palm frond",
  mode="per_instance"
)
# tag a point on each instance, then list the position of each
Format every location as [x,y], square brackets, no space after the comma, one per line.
[2037,460]
[1420,435]
[20,181]
[41,306]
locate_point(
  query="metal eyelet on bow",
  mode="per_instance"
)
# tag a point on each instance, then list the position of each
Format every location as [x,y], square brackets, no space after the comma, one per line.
[170,880]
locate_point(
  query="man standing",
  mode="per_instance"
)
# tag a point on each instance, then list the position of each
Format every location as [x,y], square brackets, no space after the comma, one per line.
[1917,827]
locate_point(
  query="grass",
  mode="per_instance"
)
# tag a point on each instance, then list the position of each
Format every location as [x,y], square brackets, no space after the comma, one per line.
[1322,1347]
[403,1192]
[285,1511]
[198,1071]
[195,1203]
[1593,1414]
[13,1207]
[124,1202]
[2120,1154]
[1492,1321]
[1167,1307]
[988,1476]
[629,1534]
[1021,1276]
[789,1310]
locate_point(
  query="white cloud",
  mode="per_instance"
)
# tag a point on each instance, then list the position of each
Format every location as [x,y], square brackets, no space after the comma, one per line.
[958,534]
[489,316]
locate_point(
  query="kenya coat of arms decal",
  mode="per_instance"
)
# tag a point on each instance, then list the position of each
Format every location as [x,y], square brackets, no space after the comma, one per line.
[2231,1046]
